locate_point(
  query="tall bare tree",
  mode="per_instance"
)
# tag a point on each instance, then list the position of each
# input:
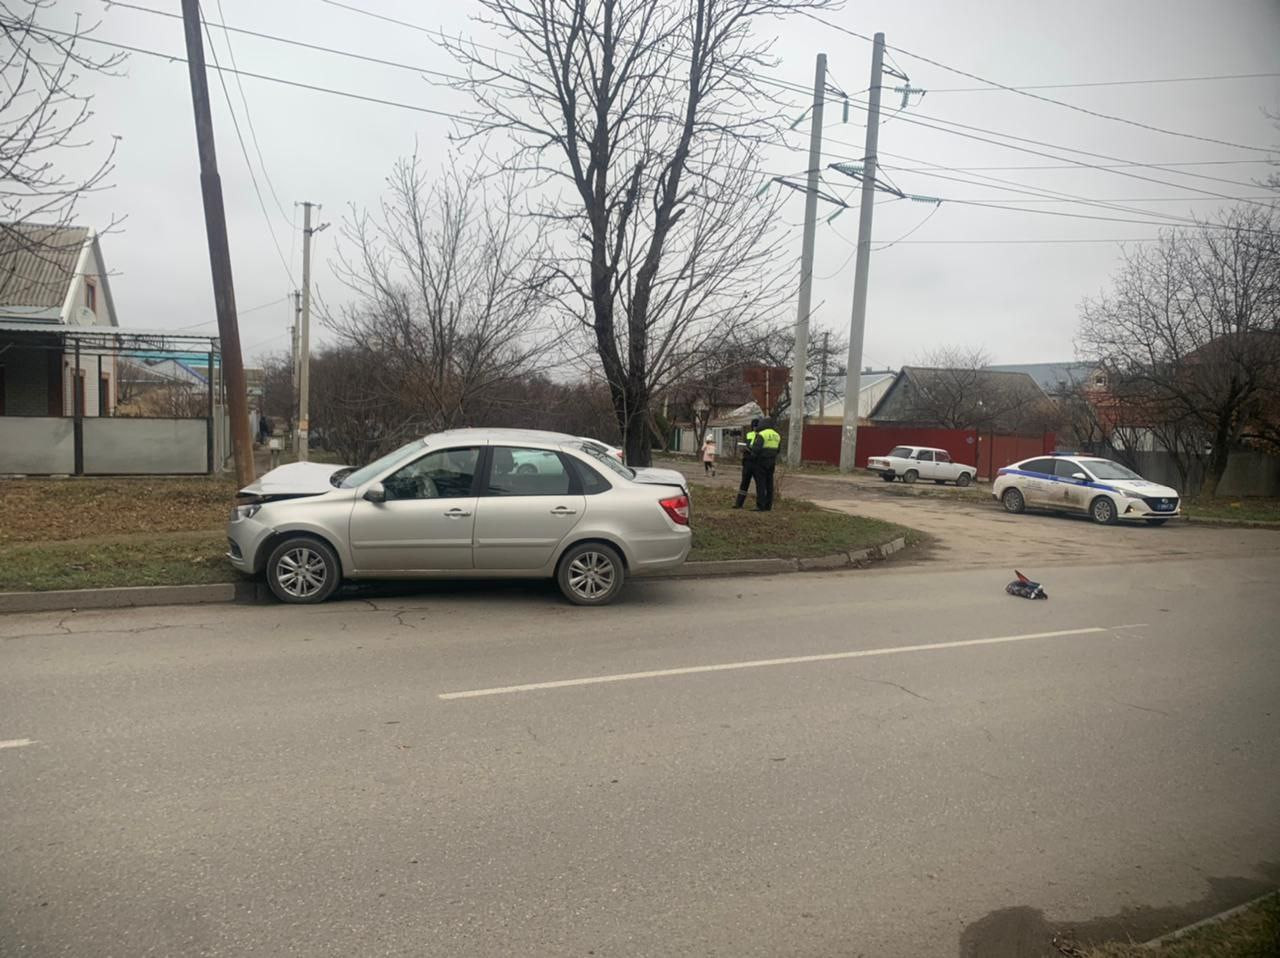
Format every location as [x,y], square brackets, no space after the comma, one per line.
[44,115]
[952,387]
[447,294]
[641,123]
[1192,326]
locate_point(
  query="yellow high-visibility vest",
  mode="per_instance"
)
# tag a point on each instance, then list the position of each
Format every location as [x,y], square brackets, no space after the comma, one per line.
[772,439]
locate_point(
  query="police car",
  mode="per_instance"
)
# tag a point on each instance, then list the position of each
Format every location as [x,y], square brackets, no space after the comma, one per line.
[1105,490]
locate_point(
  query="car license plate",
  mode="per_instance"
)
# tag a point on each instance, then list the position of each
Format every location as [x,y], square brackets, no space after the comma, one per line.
[1164,507]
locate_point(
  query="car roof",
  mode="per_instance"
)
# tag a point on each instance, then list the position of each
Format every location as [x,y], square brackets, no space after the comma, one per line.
[491,434]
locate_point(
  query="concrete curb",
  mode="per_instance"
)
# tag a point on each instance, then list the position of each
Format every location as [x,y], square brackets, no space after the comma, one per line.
[1211,920]
[130,597]
[838,560]
[249,591]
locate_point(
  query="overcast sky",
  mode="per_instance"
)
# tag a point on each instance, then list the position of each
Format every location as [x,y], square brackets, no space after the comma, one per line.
[1019,301]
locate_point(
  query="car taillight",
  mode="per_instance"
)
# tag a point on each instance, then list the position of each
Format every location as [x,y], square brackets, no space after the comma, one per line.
[677,507]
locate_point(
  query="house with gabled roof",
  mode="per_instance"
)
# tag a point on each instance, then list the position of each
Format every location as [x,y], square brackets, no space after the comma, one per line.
[53,281]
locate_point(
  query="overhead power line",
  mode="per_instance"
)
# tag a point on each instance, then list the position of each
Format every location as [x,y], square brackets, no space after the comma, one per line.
[961,130]
[1016,242]
[1042,194]
[301,44]
[253,177]
[248,117]
[297,84]
[1023,91]
[1095,83]
[1076,166]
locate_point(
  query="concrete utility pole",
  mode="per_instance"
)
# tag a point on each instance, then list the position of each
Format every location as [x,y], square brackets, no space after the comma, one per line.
[304,336]
[857,324]
[800,360]
[295,330]
[215,222]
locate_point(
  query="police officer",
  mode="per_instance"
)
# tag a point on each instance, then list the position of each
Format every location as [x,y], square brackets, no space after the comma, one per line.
[748,470]
[764,460]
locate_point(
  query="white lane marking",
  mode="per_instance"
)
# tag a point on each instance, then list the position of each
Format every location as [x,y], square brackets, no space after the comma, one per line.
[763,663]
[16,742]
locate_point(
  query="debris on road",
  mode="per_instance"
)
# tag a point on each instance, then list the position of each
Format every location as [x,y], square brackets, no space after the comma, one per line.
[1024,587]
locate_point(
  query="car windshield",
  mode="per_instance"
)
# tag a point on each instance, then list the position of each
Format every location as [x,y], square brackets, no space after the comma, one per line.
[601,456]
[901,452]
[349,480]
[1106,469]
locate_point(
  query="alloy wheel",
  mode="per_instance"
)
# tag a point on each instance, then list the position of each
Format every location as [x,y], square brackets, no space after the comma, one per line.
[301,572]
[591,575]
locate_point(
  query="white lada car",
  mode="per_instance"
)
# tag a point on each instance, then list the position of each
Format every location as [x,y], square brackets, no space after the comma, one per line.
[910,463]
[1100,488]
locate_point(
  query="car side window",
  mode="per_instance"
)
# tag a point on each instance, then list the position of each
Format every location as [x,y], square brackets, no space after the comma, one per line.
[444,474]
[941,457]
[527,472]
[924,455]
[1044,467]
[592,482]
[1065,469]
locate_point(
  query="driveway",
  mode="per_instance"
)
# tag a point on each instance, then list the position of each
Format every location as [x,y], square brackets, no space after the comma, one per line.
[969,529]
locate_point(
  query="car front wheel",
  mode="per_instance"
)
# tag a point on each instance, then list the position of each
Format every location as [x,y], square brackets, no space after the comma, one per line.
[302,569]
[1013,501]
[964,479]
[591,574]
[1103,511]
[911,476]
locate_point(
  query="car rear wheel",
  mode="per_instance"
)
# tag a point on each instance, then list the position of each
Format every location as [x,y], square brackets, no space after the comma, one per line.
[911,476]
[1156,522]
[964,479]
[303,570]
[1103,511]
[591,574]
[1013,501]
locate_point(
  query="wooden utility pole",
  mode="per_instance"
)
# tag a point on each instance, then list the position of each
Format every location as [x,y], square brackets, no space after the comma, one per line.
[215,222]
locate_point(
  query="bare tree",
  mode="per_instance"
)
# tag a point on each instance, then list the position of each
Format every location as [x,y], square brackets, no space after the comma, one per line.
[641,124]
[1192,326]
[43,118]
[447,294]
[825,367]
[952,388]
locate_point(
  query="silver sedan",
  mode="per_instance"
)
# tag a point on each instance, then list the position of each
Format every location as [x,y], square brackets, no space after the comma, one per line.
[468,503]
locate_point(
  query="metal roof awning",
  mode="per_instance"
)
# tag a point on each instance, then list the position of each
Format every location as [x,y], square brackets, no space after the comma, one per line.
[117,337]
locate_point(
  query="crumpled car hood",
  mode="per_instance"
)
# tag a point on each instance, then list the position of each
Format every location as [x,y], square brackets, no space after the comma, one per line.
[294,479]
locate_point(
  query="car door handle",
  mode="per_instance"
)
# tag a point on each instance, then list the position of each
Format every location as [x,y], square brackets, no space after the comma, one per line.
[563,511]
[456,514]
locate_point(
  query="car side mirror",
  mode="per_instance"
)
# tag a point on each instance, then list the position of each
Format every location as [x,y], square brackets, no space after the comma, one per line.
[376,493]
[1081,476]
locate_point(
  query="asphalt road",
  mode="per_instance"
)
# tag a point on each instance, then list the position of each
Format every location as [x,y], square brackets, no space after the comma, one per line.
[280,781]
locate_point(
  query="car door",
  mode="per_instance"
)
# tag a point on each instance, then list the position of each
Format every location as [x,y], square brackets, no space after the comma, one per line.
[1070,492]
[1037,483]
[922,462]
[943,468]
[427,521]
[530,500]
